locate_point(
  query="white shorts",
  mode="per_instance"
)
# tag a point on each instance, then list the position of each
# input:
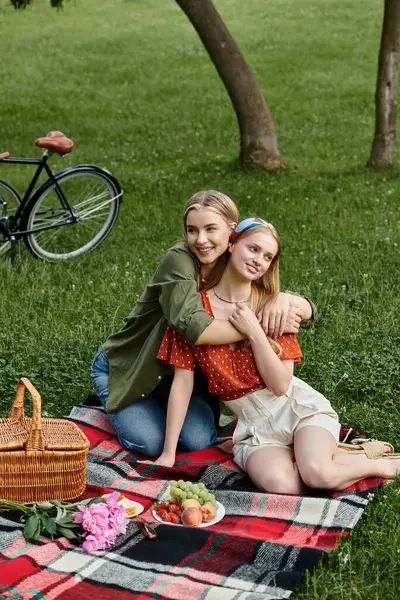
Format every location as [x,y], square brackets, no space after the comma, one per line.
[267,420]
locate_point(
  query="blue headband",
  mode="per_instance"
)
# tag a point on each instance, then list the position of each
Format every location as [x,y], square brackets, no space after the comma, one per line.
[246,225]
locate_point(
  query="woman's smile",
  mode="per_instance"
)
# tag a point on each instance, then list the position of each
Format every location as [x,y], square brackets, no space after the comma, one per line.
[252,254]
[205,251]
[252,268]
[207,235]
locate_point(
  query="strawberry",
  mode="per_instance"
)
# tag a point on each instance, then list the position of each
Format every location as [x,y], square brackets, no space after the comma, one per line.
[174,518]
[166,516]
[162,505]
[173,507]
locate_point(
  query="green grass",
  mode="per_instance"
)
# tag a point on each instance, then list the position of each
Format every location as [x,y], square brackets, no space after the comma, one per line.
[131,83]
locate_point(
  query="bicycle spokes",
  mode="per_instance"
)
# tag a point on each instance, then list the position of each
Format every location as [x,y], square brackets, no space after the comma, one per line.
[61,232]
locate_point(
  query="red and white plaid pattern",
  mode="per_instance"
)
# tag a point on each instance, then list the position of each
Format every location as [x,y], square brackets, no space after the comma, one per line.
[260,549]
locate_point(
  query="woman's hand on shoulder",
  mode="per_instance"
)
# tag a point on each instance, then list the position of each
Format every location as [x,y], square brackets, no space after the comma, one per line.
[279,316]
[245,320]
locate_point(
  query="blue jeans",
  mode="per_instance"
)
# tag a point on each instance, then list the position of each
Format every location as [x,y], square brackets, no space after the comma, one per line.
[140,427]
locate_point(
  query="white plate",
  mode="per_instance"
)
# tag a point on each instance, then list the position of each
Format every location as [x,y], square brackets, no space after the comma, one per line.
[220,515]
[126,503]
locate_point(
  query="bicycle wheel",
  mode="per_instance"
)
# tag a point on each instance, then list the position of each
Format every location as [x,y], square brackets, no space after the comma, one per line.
[94,197]
[8,194]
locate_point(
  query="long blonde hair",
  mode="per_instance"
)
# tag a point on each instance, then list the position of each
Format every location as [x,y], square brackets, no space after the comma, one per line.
[225,207]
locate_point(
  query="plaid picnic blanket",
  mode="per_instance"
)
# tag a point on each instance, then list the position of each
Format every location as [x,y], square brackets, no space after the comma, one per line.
[258,551]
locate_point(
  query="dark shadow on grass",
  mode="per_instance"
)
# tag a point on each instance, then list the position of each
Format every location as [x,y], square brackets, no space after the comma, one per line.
[233,167]
[391,173]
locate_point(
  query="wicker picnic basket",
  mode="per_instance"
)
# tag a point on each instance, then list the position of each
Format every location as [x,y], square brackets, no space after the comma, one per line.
[40,459]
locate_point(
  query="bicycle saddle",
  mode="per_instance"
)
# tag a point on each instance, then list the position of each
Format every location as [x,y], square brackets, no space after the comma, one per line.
[55,141]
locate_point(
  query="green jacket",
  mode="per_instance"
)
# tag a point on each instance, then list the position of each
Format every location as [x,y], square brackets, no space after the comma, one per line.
[172,298]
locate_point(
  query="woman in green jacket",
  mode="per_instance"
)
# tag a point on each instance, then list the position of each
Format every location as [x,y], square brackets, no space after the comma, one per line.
[132,384]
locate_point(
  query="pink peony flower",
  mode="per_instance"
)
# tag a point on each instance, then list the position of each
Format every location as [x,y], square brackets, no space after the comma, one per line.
[93,543]
[113,499]
[94,519]
[102,523]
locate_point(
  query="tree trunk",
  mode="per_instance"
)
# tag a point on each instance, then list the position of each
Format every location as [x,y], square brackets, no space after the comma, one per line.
[384,144]
[258,142]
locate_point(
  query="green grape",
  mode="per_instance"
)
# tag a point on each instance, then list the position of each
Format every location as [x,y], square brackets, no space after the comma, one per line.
[185,490]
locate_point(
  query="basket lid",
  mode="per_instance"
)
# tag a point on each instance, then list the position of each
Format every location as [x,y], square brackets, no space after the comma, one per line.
[13,433]
[58,434]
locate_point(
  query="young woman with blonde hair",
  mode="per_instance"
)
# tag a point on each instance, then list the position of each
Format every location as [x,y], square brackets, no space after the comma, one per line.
[131,383]
[287,433]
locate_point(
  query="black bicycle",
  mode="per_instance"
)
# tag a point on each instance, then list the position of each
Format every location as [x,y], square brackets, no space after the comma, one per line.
[68,215]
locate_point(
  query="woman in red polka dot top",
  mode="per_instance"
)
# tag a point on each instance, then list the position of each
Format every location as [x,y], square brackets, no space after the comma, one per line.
[287,433]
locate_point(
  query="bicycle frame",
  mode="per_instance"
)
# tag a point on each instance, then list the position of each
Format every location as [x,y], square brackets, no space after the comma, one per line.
[41,165]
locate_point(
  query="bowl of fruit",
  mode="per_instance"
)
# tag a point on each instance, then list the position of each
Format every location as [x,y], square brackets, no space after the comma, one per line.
[188,504]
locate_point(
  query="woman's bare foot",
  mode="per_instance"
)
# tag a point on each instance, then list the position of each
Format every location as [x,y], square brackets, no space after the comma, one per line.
[369,467]
[391,466]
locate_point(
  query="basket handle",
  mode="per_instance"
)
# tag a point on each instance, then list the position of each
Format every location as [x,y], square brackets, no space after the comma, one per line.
[35,439]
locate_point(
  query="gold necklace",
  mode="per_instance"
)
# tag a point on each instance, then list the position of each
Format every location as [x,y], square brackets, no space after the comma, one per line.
[231,301]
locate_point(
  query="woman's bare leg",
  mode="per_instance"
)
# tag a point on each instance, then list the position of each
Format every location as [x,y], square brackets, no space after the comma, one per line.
[322,466]
[272,469]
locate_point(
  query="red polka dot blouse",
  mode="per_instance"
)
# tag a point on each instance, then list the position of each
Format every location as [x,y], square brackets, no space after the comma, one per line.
[231,371]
